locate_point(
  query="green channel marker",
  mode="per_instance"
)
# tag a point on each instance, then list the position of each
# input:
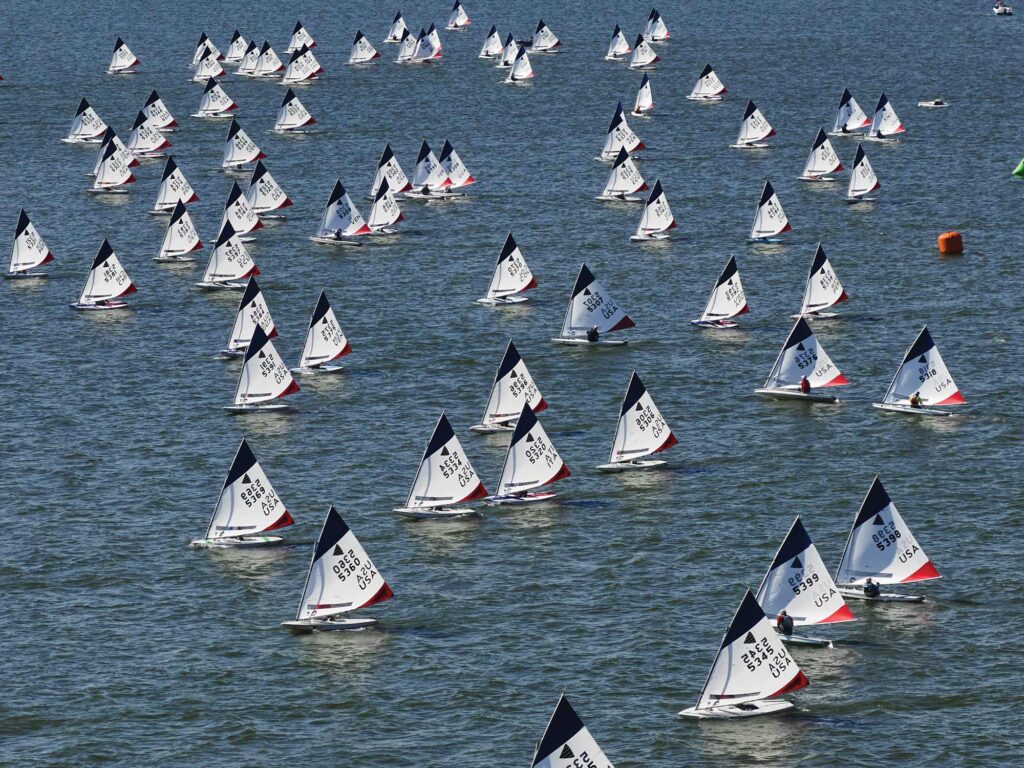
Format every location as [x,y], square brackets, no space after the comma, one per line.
[1019,170]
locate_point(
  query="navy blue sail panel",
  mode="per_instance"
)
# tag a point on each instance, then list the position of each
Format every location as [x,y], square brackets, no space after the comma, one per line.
[507,248]
[245,459]
[527,421]
[728,273]
[333,531]
[508,362]
[443,433]
[796,543]
[747,616]
[876,500]
[766,193]
[256,345]
[922,345]
[323,306]
[102,254]
[819,259]
[583,279]
[634,392]
[800,333]
[565,724]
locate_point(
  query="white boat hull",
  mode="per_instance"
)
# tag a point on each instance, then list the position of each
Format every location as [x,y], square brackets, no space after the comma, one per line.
[581,341]
[883,597]
[236,542]
[502,301]
[796,394]
[640,465]
[491,429]
[815,178]
[174,259]
[714,324]
[526,498]
[753,145]
[336,241]
[107,191]
[922,411]
[306,626]
[438,513]
[227,285]
[316,369]
[26,275]
[619,199]
[654,237]
[734,711]
[806,640]
[258,408]
[816,315]
[109,305]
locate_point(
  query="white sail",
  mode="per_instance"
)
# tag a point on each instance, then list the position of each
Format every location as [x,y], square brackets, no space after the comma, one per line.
[521,68]
[236,48]
[239,213]
[362,50]
[428,173]
[881,546]
[267,63]
[802,356]
[641,429]
[145,140]
[428,46]
[107,279]
[292,115]
[230,261]
[643,54]
[727,298]
[769,220]
[708,87]
[388,168]
[458,18]
[453,167]
[532,460]
[513,388]
[87,126]
[590,305]
[385,210]
[264,376]
[248,504]
[205,45]
[923,372]
[755,127]
[158,113]
[511,273]
[656,29]
[300,37]
[445,476]
[492,45]
[544,40]
[110,136]
[885,123]
[325,341]
[252,313]
[862,178]
[567,743]
[122,61]
[823,289]
[618,48]
[342,577]
[508,52]
[619,136]
[798,583]
[29,250]
[657,216]
[303,68]
[181,236]
[752,663]
[264,193]
[849,117]
[247,66]
[215,102]
[114,169]
[624,178]
[644,100]
[397,29]
[239,149]
[340,216]
[207,67]
[822,159]
[406,46]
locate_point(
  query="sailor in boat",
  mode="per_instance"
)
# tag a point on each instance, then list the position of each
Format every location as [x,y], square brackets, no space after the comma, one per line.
[915,400]
[871,588]
[784,623]
[593,335]
[805,387]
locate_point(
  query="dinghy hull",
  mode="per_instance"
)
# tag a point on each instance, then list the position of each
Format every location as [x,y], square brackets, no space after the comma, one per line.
[734,711]
[501,301]
[307,626]
[27,275]
[258,408]
[238,542]
[652,238]
[923,411]
[491,429]
[884,597]
[796,394]
[227,285]
[584,342]
[336,241]
[632,466]
[804,640]
[99,307]
[455,513]
[816,315]
[317,369]
[526,498]
[714,324]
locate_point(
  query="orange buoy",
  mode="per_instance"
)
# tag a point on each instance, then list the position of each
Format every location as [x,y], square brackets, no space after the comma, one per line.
[951,244]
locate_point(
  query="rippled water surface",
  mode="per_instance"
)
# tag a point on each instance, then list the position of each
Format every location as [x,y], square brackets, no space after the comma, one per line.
[124,647]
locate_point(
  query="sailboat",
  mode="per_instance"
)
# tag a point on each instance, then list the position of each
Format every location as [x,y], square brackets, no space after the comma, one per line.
[522,70]
[325,341]
[623,180]
[643,56]
[29,251]
[205,44]
[300,37]
[656,30]
[862,179]
[530,462]
[215,103]
[247,508]
[751,670]
[268,65]
[180,239]
[87,127]
[444,479]
[922,373]
[513,387]
[107,282]
[727,300]
[657,219]
[802,358]
[511,277]
[114,172]
[303,68]
[882,548]
[754,129]
[798,583]
[508,52]
[428,178]
[362,50]
[708,87]
[544,40]
[619,136]
[769,219]
[239,149]
[110,136]
[341,579]
[406,46]
[207,67]
[458,19]
[264,378]
[265,194]
[592,308]
[247,66]
[823,289]
[236,49]
[340,221]
[885,125]
[239,214]
[252,313]
[455,169]
[492,45]
[567,742]
[396,30]
[640,431]
[618,48]
[122,61]
[822,160]
[145,140]
[428,47]
[230,263]
[158,113]
[644,101]
[388,168]
[292,116]
[850,118]
[384,212]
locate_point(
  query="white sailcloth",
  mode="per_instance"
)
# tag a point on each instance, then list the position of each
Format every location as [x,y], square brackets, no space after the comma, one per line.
[444,477]
[252,313]
[230,261]
[618,48]
[508,52]
[239,213]
[267,63]
[236,48]
[521,68]
[341,216]
[657,216]
[362,50]
[619,136]
[292,115]
[591,305]
[300,37]
[325,341]
[397,29]
[511,273]
[802,356]
[822,160]
[428,46]
[708,87]
[181,236]
[264,376]
[205,44]
[849,117]
[532,460]
[727,299]
[145,140]
[385,210]
[458,18]
[303,68]
[247,66]
[513,388]
[492,45]
[884,123]
[862,178]
[107,279]
[207,67]
[823,289]
[656,29]
[755,127]
[29,250]
[388,168]
[644,100]
[264,193]
[544,40]
[215,102]
[641,429]
[115,168]
[248,504]
[406,46]
[239,149]
[643,55]
[87,126]
[110,136]
[769,220]
[122,60]
[428,173]
[567,743]
[158,113]
[923,372]
[624,178]
[453,167]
